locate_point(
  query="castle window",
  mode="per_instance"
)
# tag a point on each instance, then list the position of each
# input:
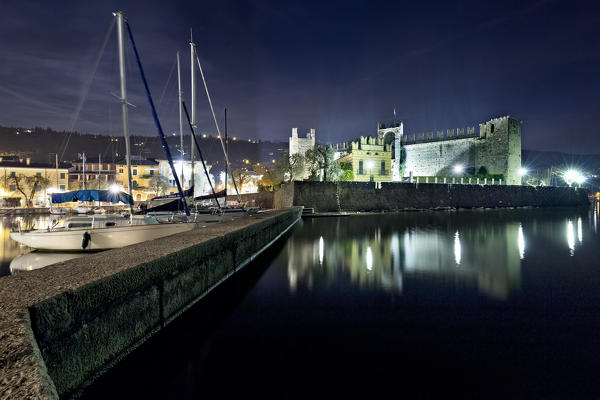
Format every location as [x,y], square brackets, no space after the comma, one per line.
[12,173]
[360,167]
[491,128]
[382,168]
[62,175]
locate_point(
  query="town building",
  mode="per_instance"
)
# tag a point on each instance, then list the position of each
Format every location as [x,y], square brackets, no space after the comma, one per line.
[142,171]
[16,172]
[201,184]
[370,158]
[94,173]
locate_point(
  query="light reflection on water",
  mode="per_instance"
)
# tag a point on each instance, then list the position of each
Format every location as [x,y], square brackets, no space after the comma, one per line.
[477,249]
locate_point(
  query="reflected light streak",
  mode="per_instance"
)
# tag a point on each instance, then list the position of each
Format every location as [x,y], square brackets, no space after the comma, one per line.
[457,248]
[570,237]
[521,242]
[579,230]
[321,249]
[369,259]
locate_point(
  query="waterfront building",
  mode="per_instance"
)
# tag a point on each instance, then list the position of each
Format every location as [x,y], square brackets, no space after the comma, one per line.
[201,184]
[370,158]
[99,174]
[142,171]
[14,172]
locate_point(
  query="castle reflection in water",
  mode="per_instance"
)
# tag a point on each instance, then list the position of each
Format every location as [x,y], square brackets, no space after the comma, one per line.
[480,249]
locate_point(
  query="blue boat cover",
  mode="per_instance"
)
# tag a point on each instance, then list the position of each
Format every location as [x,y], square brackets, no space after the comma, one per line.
[92,195]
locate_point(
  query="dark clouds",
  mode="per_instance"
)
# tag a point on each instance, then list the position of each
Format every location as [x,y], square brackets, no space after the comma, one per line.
[337,66]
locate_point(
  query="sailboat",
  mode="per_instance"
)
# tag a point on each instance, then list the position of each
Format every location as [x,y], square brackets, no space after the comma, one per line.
[90,236]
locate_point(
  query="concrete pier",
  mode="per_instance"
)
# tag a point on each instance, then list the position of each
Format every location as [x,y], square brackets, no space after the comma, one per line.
[62,325]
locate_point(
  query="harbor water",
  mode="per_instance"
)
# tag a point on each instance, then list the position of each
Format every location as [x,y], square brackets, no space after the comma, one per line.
[477,303]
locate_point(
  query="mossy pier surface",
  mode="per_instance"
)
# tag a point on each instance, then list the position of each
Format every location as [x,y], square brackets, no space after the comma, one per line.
[62,325]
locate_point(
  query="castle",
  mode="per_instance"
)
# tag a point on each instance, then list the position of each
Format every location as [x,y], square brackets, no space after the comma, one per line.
[496,148]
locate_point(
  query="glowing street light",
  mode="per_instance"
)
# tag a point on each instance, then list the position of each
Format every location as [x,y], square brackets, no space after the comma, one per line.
[573,176]
[523,171]
[114,188]
[458,169]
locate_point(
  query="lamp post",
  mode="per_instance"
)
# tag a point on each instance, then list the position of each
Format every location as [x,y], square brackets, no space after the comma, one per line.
[370,167]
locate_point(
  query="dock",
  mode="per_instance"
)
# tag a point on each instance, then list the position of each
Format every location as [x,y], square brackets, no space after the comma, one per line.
[63,325]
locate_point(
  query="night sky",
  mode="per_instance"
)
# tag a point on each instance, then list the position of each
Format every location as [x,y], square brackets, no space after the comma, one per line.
[337,66]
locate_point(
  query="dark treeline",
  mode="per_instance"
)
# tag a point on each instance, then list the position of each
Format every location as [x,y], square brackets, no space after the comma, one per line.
[42,143]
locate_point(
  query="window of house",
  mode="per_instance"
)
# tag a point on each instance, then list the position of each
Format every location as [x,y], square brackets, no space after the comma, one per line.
[360,167]
[134,172]
[151,172]
[120,170]
[38,174]
[63,187]
[12,188]
[134,184]
[13,173]
[62,175]
[382,168]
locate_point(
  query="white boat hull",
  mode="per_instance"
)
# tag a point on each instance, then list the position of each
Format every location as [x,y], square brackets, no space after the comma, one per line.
[100,239]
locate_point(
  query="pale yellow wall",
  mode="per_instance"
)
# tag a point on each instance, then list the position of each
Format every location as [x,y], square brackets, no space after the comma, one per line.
[142,170]
[375,153]
[49,173]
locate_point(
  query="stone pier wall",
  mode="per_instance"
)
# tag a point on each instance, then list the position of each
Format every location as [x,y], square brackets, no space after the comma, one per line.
[62,325]
[365,196]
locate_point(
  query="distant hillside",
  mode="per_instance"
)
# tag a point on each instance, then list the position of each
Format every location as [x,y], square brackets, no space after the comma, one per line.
[545,159]
[41,144]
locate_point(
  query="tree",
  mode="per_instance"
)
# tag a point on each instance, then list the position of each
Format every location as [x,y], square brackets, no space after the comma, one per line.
[320,160]
[291,166]
[158,184]
[347,173]
[271,177]
[241,176]
[27,185]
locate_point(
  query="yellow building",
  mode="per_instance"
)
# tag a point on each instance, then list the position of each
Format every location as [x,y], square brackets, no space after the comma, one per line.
[142,170]
[371,160]
[13,170]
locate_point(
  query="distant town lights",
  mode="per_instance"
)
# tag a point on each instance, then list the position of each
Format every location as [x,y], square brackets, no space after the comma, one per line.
[458,169]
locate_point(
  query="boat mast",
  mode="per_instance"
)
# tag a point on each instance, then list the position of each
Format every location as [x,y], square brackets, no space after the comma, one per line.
[193,95]
[120,16]
[227,150]
[180,119]
[84,176]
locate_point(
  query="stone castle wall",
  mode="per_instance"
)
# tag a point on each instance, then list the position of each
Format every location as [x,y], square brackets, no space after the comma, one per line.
[366,196]
[497,147]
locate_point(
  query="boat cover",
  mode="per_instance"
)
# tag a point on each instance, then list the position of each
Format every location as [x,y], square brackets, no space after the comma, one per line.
[186,193]
[92,195]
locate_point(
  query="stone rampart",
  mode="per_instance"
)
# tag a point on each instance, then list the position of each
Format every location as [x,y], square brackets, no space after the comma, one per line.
[62,325]
[366,196]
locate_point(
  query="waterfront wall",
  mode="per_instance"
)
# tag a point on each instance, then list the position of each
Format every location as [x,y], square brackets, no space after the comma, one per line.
[62,325]
[366,196]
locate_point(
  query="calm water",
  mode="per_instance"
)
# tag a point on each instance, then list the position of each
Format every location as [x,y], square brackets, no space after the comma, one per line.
[9,249]
[477,304]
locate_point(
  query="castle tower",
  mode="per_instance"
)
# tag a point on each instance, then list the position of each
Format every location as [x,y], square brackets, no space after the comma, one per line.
[392,135]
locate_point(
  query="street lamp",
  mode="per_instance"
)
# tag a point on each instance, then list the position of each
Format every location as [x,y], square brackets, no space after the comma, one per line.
[523,171]
[573,176]
[370,165]
[458,169]
[114,188]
